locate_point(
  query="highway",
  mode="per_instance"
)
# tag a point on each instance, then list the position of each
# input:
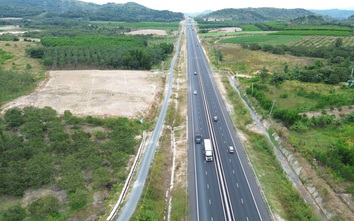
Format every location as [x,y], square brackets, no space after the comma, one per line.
[224,189]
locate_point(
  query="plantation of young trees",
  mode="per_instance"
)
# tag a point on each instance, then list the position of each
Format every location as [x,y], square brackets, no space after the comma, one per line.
[83,52]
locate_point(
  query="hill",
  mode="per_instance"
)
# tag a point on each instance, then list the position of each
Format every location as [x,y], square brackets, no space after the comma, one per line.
[309,20]
[252,15]
[77,9]
[50,5]
[335,13]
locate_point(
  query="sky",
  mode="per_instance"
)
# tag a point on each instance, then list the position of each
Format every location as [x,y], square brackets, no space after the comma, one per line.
[186,6]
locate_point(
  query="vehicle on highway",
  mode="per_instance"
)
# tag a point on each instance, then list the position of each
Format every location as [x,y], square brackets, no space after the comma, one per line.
[195,92]
[198,138]
[195,73]
[208,150]
[215,118]
[231,149]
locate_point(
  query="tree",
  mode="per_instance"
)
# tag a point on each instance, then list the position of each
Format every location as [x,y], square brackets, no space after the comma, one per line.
[101,177]
[78,199]
[339,42]
[13,118]
[264,74]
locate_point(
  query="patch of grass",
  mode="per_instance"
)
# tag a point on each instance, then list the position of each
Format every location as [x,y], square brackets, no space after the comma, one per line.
[180,207]
[19,60]
[245,61]
[5,56]
[250,28]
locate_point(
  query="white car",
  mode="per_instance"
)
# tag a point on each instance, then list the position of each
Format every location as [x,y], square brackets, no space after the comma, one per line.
[195,92]
[231,149]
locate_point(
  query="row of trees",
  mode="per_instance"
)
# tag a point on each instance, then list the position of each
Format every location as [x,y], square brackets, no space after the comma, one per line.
[111,57]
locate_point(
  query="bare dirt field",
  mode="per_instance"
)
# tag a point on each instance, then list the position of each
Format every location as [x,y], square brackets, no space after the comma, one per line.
[148,32]
[96,93]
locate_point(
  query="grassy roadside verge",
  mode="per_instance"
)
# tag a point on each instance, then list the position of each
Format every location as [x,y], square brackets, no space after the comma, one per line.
[154,204]
[283,198]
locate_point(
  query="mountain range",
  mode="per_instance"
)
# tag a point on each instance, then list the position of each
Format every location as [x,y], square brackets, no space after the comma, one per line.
[134,12]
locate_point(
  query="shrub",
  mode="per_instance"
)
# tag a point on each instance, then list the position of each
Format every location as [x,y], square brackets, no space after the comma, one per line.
[287,116]
[14,213]
[44,207]
[78,199]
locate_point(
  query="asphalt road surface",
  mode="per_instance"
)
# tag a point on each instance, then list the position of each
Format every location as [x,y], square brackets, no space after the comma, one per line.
[224,189]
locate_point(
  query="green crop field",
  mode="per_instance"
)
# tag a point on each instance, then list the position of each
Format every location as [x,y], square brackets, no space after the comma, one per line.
[250,28]
[319,41]
[237,33]
[93,40]
[316,30]
[263,39]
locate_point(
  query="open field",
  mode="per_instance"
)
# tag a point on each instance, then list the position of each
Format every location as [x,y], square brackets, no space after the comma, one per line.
[20,62]
[148,32]
[244,61]
[96,93]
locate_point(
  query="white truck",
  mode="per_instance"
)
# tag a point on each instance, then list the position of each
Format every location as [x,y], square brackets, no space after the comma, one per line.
[208,150]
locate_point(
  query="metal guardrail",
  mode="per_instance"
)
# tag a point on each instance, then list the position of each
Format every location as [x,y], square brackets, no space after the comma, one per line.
[127,182]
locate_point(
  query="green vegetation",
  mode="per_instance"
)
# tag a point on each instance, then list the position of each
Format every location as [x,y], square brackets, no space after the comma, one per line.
[123,52]
[8,37]
[40,149]
[13,85]
[250,28]
[94,40]
[337,154]
[314,32]
[86,11]
[5,56]
[266,38]
[271,26]
[254,15]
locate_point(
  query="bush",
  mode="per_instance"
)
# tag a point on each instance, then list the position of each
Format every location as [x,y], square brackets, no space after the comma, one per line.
[14,213]
[44,207]
[287,116]
[78,200]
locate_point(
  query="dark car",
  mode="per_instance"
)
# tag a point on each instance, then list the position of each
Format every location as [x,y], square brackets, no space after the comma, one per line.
[198,138]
